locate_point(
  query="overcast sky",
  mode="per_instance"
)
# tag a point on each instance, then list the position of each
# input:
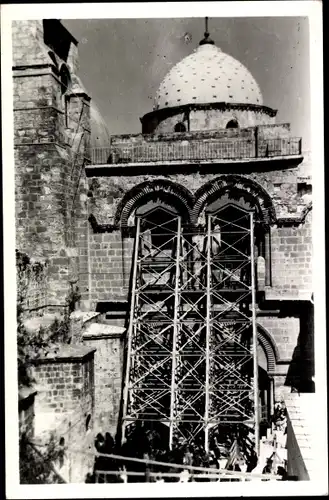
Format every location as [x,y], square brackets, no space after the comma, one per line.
[122,62]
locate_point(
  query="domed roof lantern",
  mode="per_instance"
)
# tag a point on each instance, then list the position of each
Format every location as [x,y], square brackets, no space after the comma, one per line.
[206,40]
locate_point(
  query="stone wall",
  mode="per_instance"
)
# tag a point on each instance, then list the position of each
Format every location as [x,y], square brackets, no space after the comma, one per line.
[66,376]
[107,193]
[284,331]
[41,203]
[199,117]
[210,144]
[171,136]
[48,225]
[38,115]
[110,263]
[214,119]
[65,406]
[111,252]
[292,260]
[32,283]
[33,51]
[108,341]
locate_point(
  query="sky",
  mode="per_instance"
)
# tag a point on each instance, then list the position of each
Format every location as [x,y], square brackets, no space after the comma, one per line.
[123,61]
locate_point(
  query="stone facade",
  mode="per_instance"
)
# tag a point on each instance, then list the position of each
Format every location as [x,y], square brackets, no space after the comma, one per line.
[114,200]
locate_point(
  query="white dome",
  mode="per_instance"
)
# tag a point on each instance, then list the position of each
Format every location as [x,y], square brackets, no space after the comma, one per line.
[208,76]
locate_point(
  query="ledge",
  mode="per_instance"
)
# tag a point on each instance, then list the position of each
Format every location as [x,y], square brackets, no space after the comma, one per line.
[243,164]
[103,331]
[83,316]
[280,295]
[67,353]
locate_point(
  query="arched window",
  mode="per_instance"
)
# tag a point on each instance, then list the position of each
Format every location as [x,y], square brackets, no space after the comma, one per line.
[65,78]
[180,127]
[158,224]
[232,124]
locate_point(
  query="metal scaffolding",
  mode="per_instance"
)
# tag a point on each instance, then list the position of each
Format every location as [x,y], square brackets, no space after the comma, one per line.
[192,339]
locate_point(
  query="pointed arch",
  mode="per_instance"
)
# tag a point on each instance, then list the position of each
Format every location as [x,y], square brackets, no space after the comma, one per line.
[240,185]
[172,193]
[268,344]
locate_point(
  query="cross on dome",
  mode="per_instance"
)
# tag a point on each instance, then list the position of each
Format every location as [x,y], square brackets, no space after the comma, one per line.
[206,38]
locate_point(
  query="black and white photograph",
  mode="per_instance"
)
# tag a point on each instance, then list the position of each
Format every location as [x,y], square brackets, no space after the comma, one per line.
[164,249]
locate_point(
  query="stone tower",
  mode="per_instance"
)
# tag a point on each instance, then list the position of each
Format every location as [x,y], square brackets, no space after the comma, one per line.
[53,120]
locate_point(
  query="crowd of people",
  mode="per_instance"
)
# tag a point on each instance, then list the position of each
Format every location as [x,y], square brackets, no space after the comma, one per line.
[148,444]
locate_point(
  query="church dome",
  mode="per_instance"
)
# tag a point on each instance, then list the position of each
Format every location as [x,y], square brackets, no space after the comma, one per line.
[208,75]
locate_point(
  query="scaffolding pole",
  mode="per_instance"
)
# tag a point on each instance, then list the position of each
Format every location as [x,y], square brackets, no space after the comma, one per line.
[254,334]
[131,327]
[207,374]
[175,336]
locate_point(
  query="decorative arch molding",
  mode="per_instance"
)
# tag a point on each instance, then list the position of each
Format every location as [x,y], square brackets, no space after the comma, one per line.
[171,192]
[240,184]
[268,344]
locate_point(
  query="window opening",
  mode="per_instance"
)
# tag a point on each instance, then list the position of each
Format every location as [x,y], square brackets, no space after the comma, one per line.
[232,124]
[180,127]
